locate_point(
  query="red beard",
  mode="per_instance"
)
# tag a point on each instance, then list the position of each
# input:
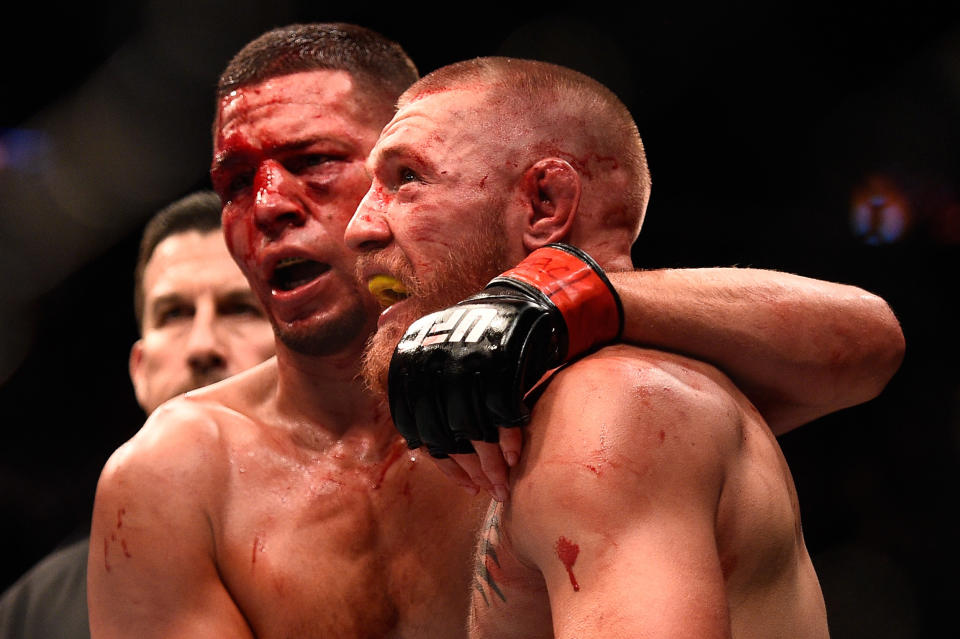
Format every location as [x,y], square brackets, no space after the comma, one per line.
[463,271]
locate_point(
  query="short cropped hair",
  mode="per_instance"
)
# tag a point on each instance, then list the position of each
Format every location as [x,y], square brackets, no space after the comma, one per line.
[198,212]
[378,65]
[569,107]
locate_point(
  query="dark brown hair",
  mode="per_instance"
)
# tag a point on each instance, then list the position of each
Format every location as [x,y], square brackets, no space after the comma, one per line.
[378,65]
[198,211]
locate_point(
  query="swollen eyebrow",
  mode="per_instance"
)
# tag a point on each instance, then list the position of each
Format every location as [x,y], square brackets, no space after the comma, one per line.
[224,160]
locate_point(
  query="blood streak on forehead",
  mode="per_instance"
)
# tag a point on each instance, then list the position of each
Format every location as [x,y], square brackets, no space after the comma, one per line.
[230,144]
[300,103]
[307,87]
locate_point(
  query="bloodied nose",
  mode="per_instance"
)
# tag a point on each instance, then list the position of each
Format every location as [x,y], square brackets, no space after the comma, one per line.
[276,202]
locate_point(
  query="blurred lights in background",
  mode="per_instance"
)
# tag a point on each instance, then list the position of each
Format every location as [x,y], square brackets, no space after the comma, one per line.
[23,150]
[885,209]
[881,212]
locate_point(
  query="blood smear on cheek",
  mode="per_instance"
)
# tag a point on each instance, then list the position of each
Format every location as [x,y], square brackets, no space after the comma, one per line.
[567,551]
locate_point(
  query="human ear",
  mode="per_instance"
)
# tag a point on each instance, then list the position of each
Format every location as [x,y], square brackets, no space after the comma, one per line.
[136,370]
[552,190]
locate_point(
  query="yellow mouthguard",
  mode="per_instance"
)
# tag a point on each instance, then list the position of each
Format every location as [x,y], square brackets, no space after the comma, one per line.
[386,289]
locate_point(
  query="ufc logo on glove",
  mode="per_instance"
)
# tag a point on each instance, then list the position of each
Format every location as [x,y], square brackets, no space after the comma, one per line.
[459,374]
[449,325]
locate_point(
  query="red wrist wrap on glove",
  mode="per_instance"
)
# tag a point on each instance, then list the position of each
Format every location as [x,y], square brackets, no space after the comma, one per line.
[589,306]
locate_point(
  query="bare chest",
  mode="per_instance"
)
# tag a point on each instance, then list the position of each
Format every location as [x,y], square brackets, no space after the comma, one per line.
[316,552]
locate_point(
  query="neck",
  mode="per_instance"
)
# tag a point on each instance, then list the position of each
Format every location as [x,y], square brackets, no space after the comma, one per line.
[326,399]
[611,249]
[615,263]
[610,258]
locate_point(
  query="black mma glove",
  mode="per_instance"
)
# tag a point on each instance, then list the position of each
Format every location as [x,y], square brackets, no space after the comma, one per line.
[458,374]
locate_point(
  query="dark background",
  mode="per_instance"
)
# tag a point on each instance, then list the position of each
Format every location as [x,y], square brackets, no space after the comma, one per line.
[766,128]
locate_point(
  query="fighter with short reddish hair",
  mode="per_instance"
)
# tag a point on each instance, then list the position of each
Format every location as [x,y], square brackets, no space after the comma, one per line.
[651,499]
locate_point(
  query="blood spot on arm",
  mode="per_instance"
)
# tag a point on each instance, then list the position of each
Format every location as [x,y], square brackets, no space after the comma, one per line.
[567,551]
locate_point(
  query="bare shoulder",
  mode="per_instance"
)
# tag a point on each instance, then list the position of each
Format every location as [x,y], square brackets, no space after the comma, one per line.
[628,428]
[188,438]
[186,446]
[244,393]
[642,392]
[180,445]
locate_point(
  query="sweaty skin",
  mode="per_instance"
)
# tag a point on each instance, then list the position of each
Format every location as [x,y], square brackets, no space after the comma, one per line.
[633,513]
[281,502]
[231,524]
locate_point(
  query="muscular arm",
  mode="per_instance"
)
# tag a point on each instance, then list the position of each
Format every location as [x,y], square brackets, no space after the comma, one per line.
[623,537]
[799,348]
[151,564]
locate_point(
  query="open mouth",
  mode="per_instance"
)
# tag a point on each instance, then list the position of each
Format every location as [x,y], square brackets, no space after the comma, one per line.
[387,290]
[294,272]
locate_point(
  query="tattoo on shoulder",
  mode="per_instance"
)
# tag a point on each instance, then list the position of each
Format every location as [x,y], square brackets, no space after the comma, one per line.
[487,563]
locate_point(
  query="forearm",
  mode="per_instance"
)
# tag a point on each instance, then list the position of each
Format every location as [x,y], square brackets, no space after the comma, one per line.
[799,348]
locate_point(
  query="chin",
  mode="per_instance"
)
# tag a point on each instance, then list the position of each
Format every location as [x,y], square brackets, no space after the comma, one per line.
[320,338]
[465,272]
